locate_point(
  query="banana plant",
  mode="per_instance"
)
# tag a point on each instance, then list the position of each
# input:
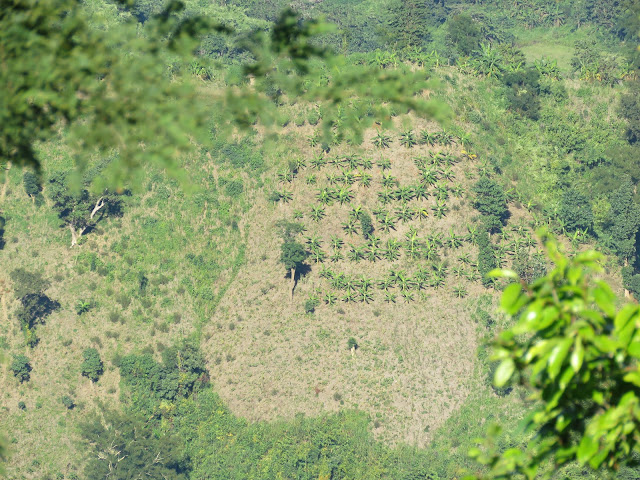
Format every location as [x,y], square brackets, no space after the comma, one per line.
[420,162]
[429,176]
[404,213]
[367,163]
[317,255]
[384,163]
[404,194]
[317,213]
[350,227]
[422,213]
[428,138]
[459,291]
[408,296]
[318,161]
[330,298]
[385,284]
[299,163]
[388,223]
[348,177]
[311,179]
[465,258]
[365,295]
[313,241]
[435,238]
[381,140]
[338,281]
[453,241]
[472,234]
[390,297]
[285,175]
[420,191]
[442,192]
[336,256]
[355,213]
[336,242]
[364,179]
[457,271]
[333,178]
[355,253]
[436,281]
[448,174]
[457,190]
[350,297]
[286,196]
[352,161]
[385,196]
[408,139]
[440,209]
[325,195]
[344,195]
[388,180]
[326,272]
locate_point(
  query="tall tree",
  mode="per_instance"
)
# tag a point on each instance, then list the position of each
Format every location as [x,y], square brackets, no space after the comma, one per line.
[80,209]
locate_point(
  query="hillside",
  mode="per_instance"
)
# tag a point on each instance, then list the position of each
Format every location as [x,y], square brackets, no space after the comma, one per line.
[174,315]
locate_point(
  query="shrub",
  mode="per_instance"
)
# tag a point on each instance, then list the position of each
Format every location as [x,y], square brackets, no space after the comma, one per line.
[310,305]
[35,307]
[92,366]
[486,258]
[21,368]
[22,405]
[26,282]
[366,224]
[575,211]
[352,343]
[68,402]
[313,117]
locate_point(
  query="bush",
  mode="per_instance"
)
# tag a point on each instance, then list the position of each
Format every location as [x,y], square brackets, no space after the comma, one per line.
[35,307]
[352,343]
[486,258]
[491,201]
[366,224]
[68,402]
[575,211]
[313,117]
[22,405]
[310,305]
[21,368]
[26,282]
[92,367]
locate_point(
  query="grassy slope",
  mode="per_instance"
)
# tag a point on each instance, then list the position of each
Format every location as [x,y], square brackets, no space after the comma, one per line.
[416,365]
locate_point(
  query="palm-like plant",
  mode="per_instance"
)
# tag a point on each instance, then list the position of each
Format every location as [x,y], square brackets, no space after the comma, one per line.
[429,176]
[333,178]
[285,175]
[442,192]
[381,140]
[453,240]
[422,213]
[465,258]
[350,227]
[404,194]
[385,284]
[348,177]
[407,295]
[428,138]
[344,195]
[367,163]
[429,251]
[356,253]
[386,195]
[355,213]
[317,213]
[388,223]
[408,139]
[311,179]
[440,209]
[325,195]
[338,281]
[390,297]
[457,190]
[457,271]
[336,242]
[336,256]
[388,180]
[286,196]
[420,162]
[330,298]
[326,272]
[384,163]
[318,161]
[459,291]
[404,213]
[436,281]
[364,179]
